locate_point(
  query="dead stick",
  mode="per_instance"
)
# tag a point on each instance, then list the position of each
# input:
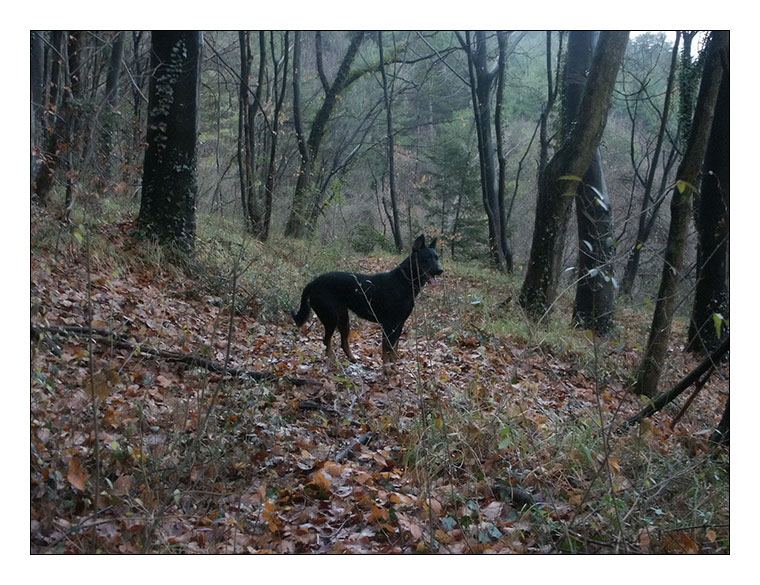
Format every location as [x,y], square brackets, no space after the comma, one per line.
[697,387]
[363,440]
[120,341]
[667,397]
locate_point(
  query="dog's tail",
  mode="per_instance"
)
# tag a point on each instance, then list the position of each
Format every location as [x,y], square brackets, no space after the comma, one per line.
[305,310]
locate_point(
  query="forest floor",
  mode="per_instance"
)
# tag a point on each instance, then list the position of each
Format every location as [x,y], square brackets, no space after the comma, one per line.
[488,435]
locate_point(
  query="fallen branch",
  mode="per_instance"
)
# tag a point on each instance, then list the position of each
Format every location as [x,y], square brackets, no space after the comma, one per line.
[362,440]
[697,388]
[121,341]
[515,495]
[667,397]
[313,405]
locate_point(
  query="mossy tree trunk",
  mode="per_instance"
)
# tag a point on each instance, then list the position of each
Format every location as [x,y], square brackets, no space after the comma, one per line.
[595,290]
[559,181]
[169,187]
[680,212]
[711,295]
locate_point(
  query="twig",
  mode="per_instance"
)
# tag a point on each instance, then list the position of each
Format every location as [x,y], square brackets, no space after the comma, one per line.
[93,394]
[362,440]
[312,405]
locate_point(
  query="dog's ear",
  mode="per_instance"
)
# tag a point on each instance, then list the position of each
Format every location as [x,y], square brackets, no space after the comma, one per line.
[433,242]
[419,243]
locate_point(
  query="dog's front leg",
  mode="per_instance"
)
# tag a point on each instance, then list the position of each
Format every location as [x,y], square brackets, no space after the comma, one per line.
[391,334]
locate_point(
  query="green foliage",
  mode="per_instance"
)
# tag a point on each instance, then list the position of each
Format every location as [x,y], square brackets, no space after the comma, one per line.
[365,239]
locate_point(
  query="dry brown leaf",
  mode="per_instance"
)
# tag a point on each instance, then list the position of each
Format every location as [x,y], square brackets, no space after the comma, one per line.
[77,474]
[122,485]
[322,480]
[679,543]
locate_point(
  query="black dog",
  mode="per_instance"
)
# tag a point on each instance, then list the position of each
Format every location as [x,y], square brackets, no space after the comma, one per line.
[386,298]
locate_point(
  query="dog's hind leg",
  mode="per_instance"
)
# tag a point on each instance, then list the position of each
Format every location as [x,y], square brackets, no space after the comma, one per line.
[329,330]
[344,328]
[329,319]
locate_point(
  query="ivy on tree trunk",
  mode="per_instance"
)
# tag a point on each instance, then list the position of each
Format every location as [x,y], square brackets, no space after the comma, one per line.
[169,188]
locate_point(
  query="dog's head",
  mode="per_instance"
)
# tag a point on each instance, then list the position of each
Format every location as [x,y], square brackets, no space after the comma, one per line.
[425,258]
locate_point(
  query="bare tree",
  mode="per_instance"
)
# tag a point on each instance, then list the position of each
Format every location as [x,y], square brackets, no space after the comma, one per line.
[37,79]
[305,199]
[680,211]
[58,146]
[280,67]
[559,180]
[482,78]
[388,100]
[111,119]
[651,200]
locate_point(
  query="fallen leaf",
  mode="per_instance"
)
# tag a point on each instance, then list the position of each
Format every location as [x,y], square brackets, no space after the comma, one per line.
[77,475]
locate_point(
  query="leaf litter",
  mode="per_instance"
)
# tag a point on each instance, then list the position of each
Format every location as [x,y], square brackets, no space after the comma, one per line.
[193,461]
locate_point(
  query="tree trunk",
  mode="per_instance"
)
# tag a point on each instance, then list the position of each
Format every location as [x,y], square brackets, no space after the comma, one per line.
[134,151]
[59,147]
[279,96]
[246,133]
[595,291]
[169,188]
[481,82]
[502,38]
[680,211]
[711,295]
[701,372]
[306,197]
[37,92]
[649,207]
[111,120]
[558,183]
[395,216]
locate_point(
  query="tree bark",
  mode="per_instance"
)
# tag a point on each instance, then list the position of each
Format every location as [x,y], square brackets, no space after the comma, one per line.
[595,290]
[169,188]
[481,82]
[37,81]
[111,120]
[306,196]
[711,295]
[279,96]
[558,183]
[387,98]
[680,211]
